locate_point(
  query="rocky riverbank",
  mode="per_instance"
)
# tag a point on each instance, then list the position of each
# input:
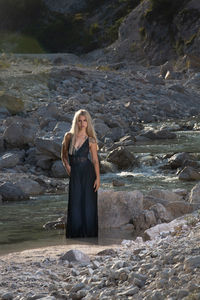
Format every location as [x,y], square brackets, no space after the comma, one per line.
[40,93]
[166,266]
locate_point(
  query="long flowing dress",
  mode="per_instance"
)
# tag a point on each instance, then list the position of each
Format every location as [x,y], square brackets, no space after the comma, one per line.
[82,216]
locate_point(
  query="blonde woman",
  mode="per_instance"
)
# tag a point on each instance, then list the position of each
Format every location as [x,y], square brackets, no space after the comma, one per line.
[82,218]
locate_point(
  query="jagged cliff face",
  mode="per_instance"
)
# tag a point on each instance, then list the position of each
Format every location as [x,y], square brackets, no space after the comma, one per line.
[156,34]
[151,31]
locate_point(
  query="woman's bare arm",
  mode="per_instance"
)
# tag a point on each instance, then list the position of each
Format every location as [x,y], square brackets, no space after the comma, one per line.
[64,152]
[95,161]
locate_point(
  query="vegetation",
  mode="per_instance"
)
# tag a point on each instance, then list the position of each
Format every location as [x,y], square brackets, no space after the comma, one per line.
[142,32]
[191,40]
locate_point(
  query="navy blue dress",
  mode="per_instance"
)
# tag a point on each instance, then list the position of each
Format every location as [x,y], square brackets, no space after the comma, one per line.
[82,216]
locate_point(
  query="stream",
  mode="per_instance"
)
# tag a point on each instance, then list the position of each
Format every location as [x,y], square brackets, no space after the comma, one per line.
[21,223]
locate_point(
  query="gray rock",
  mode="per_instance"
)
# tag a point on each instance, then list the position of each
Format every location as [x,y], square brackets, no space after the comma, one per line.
[100,127]
[178,159]
[20,134]
[12,192]
[77,287]
[107,167]
[62,127]
[58,224]
[30,186]
[123,158]
[58,169]
[44,161]
[191,263]
[189,174]
[99,97]
[194,81]
[49,146]
[154,79]
[129,292]
[76,256]
[115,208]
[116,182]
[143,220]
[7,296]
[168,66]
[9,160]
[49,110]
[161,213]
[13,104]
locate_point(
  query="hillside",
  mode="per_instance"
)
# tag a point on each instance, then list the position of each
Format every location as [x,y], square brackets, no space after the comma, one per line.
[157,31]
[150,30]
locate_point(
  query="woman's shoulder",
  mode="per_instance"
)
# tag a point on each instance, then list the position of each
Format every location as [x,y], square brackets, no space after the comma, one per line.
[92,140]
[68,135]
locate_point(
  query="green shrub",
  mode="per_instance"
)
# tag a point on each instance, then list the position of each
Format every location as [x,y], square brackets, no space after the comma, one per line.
[191,40]
[19,43]
[142,32]
[111,33]
[179,47]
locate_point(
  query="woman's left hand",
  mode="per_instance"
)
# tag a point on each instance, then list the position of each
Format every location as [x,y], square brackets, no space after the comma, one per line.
[96,185]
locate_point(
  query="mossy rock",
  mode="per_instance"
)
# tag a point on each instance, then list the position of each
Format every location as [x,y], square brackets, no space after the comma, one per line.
[13,104]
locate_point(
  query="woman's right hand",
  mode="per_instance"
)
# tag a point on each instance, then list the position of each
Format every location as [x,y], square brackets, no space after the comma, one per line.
[68,168]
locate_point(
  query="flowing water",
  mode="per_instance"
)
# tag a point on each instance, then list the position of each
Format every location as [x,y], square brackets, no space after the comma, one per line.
[21,223]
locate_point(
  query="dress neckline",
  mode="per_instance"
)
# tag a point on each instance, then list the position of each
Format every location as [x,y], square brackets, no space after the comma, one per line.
[76,149]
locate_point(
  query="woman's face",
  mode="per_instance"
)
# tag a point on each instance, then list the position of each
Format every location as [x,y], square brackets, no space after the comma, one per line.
[82,122]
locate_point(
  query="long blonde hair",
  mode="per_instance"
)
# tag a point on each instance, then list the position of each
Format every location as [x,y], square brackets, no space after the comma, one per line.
[74,128]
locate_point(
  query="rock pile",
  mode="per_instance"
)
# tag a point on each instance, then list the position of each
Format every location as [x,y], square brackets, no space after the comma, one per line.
[165,267]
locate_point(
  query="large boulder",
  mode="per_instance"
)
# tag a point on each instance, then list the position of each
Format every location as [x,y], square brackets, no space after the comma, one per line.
[154,232]
[13,104]
[58,170]
[100,127]
[12,192]
[19,134]
[161,213]
[123,158]
[49,146]
[148,218]
[189,174]
[195,194]
[61,128]
[30,186]
[178,159]
[180,208]
[116,208]
[75,256]
[9,160]
[143,220]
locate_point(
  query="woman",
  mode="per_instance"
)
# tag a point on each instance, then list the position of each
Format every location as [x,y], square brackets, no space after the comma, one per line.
[82,220]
